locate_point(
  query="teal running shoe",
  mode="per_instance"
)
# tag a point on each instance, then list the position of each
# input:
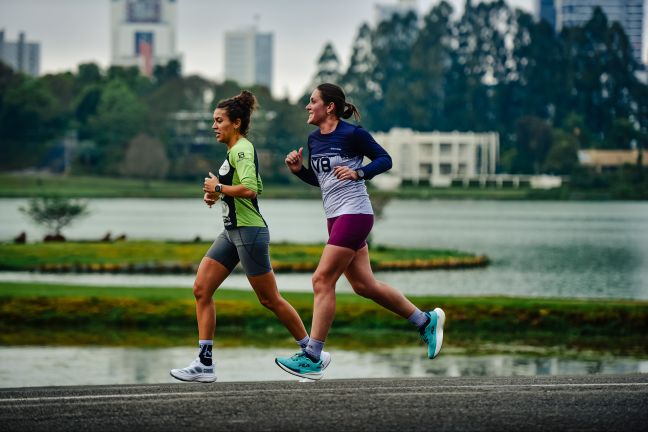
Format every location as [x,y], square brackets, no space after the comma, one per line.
[302,366]
[432,334]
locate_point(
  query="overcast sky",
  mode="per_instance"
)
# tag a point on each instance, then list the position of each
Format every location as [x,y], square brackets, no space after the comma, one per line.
[76,31]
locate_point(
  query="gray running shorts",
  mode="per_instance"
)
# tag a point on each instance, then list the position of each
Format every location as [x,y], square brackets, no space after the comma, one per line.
[249,245]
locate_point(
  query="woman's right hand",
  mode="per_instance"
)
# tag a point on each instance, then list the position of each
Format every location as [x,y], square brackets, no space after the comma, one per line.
[294,160]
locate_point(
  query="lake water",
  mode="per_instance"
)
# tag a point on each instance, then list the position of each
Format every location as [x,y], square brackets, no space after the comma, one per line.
[538,248]
[24,366]
[547,249]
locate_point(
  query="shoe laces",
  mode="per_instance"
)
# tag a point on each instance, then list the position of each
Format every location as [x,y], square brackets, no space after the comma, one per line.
[298,355]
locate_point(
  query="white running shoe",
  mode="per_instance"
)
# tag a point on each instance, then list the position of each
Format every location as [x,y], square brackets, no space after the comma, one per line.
[325,356]
[196,371]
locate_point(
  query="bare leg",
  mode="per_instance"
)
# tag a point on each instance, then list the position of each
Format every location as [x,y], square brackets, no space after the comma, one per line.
[333,262]
[210,276]
[265,287]
[364,283]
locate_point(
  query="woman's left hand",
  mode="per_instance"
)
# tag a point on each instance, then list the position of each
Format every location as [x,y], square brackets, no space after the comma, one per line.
[210,183]
[345,173]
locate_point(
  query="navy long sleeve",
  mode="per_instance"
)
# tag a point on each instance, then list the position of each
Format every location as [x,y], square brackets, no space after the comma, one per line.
[380,159]
[307,175]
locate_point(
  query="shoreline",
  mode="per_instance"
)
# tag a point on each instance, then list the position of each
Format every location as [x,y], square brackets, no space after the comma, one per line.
[163,257]
[27,186]
[108,316]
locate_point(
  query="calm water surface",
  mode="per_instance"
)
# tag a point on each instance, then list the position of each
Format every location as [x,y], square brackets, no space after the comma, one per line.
[547,249]
[23,366]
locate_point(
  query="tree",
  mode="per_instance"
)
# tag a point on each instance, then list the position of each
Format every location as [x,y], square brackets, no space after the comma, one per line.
[429,63]
[562,157]
[356,81]
[328,71]
[88,74]
[30,117]
[120,115]
[55,213]
[533,141]
[145,158]
[392,46]
[172,70]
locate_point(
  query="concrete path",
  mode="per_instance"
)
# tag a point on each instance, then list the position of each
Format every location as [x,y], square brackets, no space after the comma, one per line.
[587,403]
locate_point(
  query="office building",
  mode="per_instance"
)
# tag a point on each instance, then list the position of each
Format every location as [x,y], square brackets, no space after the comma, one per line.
[546,10]
[628,13]
[143,33]
[248,57]
[21,55]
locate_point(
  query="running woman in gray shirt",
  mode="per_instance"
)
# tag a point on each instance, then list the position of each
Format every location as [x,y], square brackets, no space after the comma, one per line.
[336,153]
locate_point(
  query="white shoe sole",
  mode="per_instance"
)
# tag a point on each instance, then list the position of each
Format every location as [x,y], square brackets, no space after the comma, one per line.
[201,378]
[438,331]
[311,376]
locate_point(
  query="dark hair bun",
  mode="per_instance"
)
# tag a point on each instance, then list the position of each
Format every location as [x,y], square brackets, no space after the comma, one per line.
[247,100]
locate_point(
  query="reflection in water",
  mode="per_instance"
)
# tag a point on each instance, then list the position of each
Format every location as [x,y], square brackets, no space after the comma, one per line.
[29,366]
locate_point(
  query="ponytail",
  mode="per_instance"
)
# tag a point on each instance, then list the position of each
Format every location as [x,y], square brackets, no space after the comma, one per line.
[333,93]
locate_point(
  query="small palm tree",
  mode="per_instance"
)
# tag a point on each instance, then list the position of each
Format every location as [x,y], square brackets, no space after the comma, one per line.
[55,213]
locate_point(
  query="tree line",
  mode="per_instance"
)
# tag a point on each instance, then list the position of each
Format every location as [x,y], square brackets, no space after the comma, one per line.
[491,69]
[494,68]
[122,121]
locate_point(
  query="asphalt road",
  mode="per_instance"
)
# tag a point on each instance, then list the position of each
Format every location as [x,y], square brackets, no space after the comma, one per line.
[587,403]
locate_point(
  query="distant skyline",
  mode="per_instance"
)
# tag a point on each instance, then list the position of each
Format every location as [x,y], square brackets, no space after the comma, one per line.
[71,32]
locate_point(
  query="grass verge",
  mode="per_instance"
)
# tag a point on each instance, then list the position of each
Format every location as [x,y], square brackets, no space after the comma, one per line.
[178,257]
[99,315]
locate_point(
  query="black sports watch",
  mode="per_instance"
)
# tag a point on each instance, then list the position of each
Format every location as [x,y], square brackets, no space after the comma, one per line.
[360,173]
[218,188]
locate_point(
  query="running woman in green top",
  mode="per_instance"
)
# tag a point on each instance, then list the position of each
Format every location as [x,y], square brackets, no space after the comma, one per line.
[245,239]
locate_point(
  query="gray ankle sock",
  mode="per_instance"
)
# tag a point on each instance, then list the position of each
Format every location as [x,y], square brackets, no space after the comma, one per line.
[304,342]
[418,318]
[314,348]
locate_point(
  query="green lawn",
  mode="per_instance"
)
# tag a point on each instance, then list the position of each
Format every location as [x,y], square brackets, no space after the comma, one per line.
[285,256]
[617,327]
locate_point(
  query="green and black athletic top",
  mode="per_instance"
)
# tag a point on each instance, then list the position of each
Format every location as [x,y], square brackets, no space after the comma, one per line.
[241,168]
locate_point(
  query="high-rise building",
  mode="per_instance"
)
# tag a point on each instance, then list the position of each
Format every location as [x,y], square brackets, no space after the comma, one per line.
[546,10]
[248,57]
[384,12]
[629,13]
[143,33]
[21,55]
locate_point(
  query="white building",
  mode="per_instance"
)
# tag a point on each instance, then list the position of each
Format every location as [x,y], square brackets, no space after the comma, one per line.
[248,57]
[21,55]
[439,157]
[143,33]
